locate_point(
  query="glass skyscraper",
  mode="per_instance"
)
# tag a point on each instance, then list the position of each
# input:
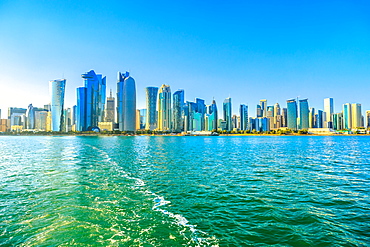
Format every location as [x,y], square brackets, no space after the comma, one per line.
[164,108]
[30,117]
[227,113]
[91,101]
[329,110]
[126,102]
[243,117]
[303,114]
[347,116]
[177,110]
[110,108]
[151,108]
[292,114]
[57,91]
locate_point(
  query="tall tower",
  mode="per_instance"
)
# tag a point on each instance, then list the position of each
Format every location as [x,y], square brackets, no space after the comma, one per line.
[151,108]
[177,110]
[329,110]
[91,101]
[30,117]
[126,102]
[227,113]
[243,117]
[304,122]
[164,108]
[110,109]
[292,114]
[263,104]
[57,91]
[347,116]
[356,115]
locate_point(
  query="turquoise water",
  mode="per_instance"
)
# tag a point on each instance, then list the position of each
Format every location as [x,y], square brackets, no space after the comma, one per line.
[185,191]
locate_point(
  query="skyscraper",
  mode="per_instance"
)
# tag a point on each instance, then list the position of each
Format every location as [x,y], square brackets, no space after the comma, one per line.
[110,108]
[164,108]
[177,110]
[367,119]
[329,110]
[151,108]
[311,123]
[91,101]
[356,115]
[57,91]
[263,103]
[243,117]
[292,114]
[30,117]
[347,116]
[227,113]
[303,114]
[259,111]
[126,102]
[212,116]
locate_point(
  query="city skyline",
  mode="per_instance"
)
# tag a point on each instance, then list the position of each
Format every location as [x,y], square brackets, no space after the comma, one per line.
[316,50]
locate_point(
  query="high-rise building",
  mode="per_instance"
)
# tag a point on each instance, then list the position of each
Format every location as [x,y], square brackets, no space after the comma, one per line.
[227,113]
[277,117]
[30,117]
[178,110]
[91,101]
[212,116]
[126,102]
[311,116]
[356,115]
[329,110]
[338,121]
[292,114]
[259,111]
[243,117]
[110,108]
[151,108]
[319,123]
[303,114]
[284,119]
[142,118]
[367,119]
[263,103]
[57,91]
[164,108]
[347,116]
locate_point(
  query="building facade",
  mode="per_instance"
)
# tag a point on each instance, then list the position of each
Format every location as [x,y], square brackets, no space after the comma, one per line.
[57,92]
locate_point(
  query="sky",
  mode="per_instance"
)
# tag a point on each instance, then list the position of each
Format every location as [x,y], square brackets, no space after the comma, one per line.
[246,50]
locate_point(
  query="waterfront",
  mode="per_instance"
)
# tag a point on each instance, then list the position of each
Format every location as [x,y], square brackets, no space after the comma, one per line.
[185,191]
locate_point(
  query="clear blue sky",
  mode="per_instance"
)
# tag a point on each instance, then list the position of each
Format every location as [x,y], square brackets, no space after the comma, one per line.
[249,50]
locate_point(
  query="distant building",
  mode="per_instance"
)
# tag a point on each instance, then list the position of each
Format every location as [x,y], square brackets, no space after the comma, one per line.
[227,113]
[303,114]
[243,117]
[126,102]
[356,115]
[263,104]
[292,114]
[347,116]
[367,119]
[30,114]
[329,110]
[91,101]
[110,108]
[57,91]
[178,110]
[151,108]
[164,109]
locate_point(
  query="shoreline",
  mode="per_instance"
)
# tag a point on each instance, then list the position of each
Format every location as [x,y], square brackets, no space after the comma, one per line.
[179,135]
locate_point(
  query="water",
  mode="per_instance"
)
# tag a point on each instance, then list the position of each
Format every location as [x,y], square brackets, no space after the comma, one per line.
[185,191]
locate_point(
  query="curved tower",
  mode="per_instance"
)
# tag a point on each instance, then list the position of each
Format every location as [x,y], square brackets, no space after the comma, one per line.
[126,100]
[57,90]
[151,108]
[30,117]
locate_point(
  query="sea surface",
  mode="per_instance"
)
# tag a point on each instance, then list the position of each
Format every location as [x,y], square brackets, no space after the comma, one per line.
[185,191]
